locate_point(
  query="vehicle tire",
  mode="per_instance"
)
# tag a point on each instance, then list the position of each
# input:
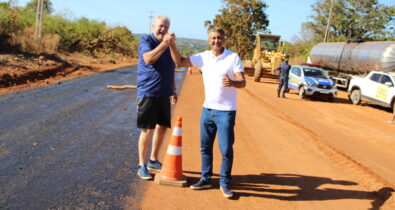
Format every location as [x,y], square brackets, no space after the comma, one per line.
[258,72]
[393,105]
[355,96]
[331,98]
[302,93]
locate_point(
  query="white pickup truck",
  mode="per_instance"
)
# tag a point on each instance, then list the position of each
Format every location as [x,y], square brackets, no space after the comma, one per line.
[377,87]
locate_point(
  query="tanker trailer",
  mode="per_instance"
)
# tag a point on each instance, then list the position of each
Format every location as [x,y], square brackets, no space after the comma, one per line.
[342,60]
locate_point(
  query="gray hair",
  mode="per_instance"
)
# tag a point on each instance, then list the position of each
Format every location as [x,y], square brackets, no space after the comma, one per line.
[161,17]
[219,30]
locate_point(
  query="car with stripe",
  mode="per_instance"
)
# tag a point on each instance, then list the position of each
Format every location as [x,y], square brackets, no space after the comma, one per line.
[311,81]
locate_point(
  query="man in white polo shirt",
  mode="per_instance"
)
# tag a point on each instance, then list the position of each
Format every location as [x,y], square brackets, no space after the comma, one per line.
[222,74]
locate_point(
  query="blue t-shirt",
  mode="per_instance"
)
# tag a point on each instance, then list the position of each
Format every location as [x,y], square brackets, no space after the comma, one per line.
[154,80]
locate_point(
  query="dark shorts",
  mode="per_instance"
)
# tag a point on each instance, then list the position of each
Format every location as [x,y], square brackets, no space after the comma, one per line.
[152,111]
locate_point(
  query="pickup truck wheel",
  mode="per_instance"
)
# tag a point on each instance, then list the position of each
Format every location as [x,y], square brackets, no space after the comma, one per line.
[258,72]
[302,93]
[356,96]
[331,98]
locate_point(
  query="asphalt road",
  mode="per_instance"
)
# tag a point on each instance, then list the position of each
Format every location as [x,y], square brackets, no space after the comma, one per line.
[71,145]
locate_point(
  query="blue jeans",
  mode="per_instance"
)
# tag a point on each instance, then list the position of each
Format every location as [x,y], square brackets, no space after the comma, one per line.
[212,121]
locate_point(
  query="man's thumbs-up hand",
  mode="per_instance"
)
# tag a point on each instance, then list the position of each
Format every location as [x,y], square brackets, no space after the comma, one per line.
[227,82]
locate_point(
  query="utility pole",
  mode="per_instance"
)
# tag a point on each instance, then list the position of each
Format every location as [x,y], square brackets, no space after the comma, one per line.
[39,20]
[329,23]
[150,20]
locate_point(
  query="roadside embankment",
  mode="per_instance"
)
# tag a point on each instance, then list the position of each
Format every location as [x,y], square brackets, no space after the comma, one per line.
[20,71]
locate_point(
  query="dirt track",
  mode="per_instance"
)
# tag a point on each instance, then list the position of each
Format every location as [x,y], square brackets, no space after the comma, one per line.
[289,154]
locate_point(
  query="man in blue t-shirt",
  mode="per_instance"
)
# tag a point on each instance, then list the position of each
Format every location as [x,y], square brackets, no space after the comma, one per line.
[155,92]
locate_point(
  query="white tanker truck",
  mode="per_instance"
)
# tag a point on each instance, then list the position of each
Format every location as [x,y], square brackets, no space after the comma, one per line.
[343,60]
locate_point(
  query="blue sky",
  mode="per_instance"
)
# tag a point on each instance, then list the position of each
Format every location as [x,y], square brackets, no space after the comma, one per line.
[187,17]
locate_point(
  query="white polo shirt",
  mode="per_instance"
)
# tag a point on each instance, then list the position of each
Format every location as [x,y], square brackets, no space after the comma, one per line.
[214,70]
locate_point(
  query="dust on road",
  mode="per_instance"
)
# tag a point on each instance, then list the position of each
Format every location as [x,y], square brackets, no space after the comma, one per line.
[289,154]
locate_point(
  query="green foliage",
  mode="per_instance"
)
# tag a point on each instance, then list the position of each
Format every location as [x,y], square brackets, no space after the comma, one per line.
[116,40]
[353,19]
[9,24]
[190,49]
[82,35]
[8,5]
[302,44]
[241,20]
[76,35]
[32,6]
[8,18]
[186,46]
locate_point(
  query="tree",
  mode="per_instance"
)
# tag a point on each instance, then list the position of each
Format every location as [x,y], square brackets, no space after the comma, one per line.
[9,23]
[241,20]
[353,19]
[8,5]
[115,40]
[32,6]
[301,45]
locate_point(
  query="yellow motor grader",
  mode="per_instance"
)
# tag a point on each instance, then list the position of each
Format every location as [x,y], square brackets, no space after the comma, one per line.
[268,55]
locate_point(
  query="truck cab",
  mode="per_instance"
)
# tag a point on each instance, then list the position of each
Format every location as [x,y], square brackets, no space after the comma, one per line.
[377,87]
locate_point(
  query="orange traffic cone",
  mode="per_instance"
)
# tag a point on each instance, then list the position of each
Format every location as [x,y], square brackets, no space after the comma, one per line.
[190,71]
[171,173]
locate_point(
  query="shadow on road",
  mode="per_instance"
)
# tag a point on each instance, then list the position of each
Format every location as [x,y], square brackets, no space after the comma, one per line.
[294,187]
[322,99]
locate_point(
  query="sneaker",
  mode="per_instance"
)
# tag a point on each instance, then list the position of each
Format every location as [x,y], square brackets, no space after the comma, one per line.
[143,173]
[226,191]
[201,184]
[155,165]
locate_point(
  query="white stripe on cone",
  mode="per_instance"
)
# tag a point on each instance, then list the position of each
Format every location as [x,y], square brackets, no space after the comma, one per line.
[177,131]
[173,150]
